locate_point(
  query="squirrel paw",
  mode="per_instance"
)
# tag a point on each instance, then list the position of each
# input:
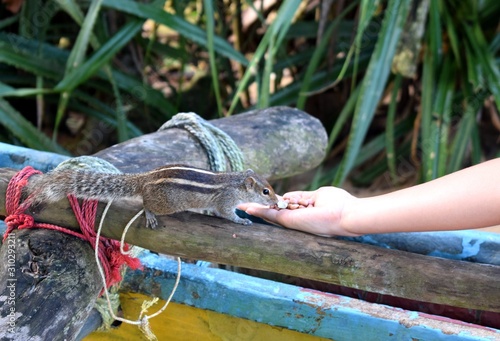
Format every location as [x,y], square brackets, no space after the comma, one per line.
[151,221]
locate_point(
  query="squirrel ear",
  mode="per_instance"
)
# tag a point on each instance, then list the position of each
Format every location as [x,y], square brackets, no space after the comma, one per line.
[249,182]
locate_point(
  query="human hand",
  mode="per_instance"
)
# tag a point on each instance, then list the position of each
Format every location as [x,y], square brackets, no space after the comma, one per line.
[318,212]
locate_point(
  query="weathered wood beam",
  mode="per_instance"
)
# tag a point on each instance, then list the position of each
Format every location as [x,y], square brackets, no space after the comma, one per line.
[38,257]
[270,248]
[276,142]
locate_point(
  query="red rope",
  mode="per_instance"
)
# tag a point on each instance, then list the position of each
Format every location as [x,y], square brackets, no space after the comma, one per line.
[109,250]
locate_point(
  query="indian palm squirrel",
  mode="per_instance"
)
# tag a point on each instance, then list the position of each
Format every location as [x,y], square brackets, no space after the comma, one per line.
[165,190]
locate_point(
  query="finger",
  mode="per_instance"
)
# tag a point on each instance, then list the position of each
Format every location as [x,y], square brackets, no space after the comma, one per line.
[286,218]
[244,206]
[263,212]
[302,220]
[303,198]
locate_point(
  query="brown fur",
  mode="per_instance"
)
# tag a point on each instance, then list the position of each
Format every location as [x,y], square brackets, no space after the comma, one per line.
[165,190]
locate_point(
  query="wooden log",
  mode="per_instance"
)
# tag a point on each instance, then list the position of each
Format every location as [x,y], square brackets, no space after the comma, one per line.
[276,142]
[31,262]
[270,248]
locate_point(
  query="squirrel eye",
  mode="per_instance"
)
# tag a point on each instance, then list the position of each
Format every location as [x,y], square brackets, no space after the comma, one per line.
[265,191]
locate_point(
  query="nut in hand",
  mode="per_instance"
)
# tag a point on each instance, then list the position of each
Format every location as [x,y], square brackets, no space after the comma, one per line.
[282,204]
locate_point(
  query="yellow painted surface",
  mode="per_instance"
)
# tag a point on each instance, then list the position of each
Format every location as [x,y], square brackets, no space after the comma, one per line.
[183,323]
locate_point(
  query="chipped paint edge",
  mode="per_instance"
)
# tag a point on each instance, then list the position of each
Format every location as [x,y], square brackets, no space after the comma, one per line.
[307,311]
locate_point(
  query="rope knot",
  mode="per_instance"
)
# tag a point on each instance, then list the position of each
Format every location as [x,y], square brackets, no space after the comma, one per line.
[217,144]
[109,254]
[19,221]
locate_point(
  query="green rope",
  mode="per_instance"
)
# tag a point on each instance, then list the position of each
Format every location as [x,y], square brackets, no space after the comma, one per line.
[218,145]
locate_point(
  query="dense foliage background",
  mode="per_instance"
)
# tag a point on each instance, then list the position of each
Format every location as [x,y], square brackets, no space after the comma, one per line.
[408,90]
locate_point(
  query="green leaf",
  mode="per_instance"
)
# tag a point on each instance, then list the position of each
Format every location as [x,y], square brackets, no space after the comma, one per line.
[25,131]
[443,107]
[427,128]
[390,144]
[209,13]
[77,55]
[100,57]
[367,10]
[8,21]
[176,23]
[374,82]
[319,52]
[13,51]
[466,126]
[318,82]
[370,149]
[21,53]
[94,108]
[279,27]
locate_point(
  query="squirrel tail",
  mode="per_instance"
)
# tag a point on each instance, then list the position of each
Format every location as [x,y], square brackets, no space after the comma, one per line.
[56,185]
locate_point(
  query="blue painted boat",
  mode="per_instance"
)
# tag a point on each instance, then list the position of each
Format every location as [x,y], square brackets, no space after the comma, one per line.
[296,308]
[313,312]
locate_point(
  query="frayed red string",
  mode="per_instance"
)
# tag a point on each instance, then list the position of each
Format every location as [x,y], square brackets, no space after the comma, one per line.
[109,250]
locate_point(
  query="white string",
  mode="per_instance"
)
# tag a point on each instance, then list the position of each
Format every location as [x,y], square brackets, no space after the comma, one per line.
[141,321]
[122,240]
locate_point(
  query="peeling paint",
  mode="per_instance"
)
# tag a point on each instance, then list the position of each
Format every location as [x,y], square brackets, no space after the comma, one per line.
[308,311]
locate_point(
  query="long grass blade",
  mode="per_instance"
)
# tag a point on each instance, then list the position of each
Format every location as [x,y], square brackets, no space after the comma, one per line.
[458,152]
[78,53]
[319,52]
[209,12]
[344,115]
[100,57]
[278,29]
[184,28]
[72,8]
[25,131]
[21,53]
[443,107]
[486,60]
[369,150]
[285,14]
[367,9]
[374,81]
[85,38]
[265,82]
[76,58]
[428,129]
[8,21]
[390,144]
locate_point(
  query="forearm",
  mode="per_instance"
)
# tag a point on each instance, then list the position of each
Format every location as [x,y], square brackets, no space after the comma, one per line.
[466,199]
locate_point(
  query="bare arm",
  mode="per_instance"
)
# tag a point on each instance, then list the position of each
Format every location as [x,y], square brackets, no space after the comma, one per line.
[469,198]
